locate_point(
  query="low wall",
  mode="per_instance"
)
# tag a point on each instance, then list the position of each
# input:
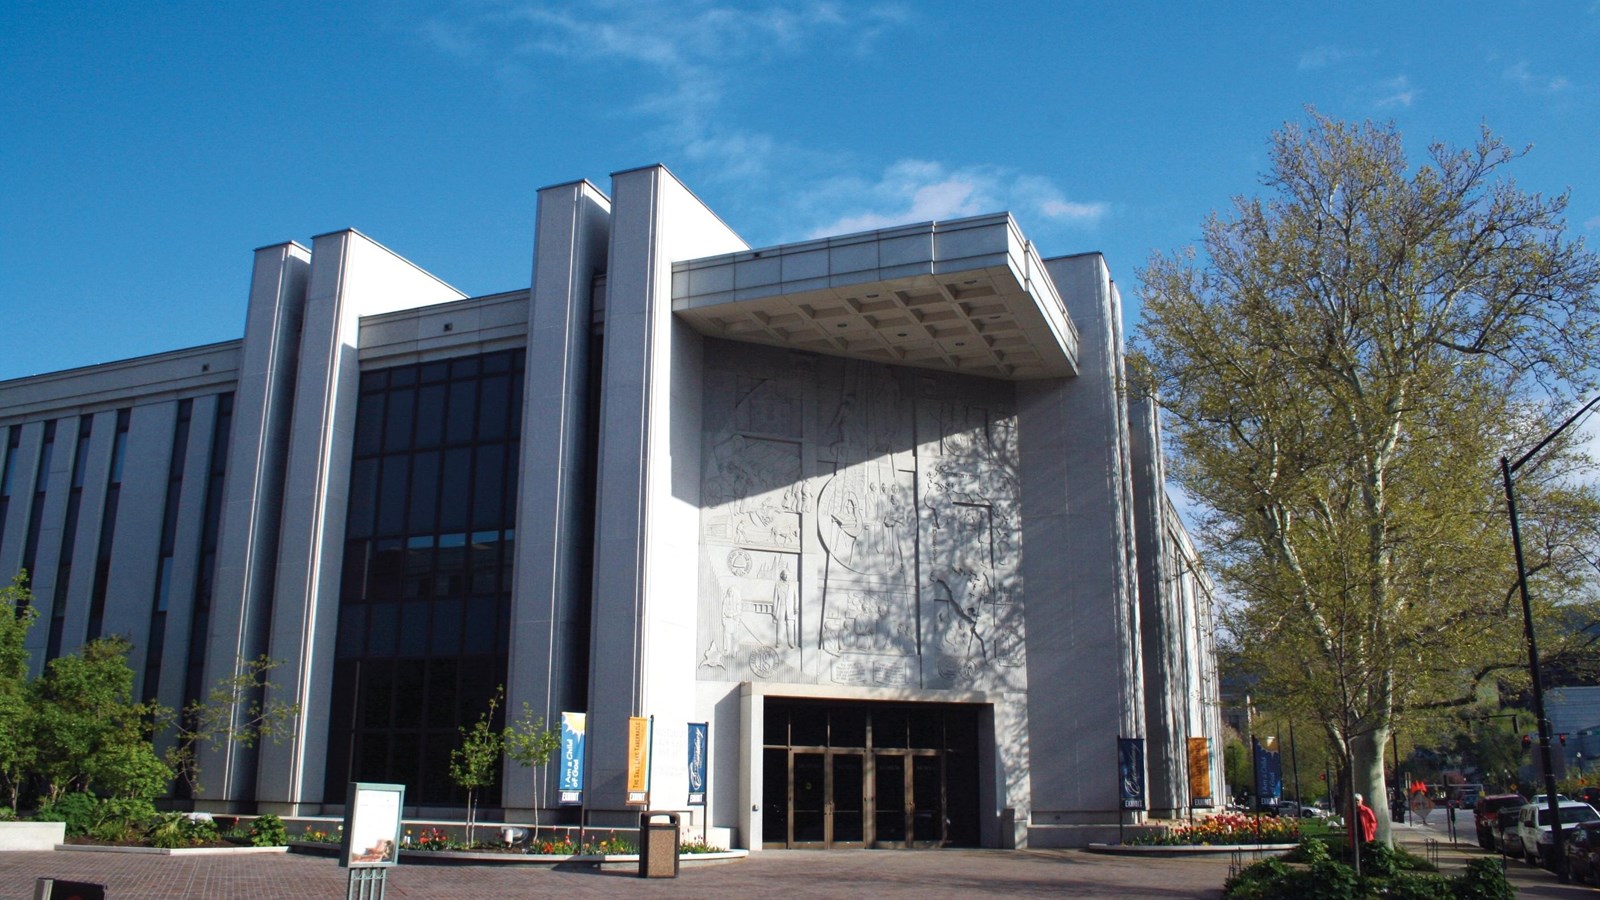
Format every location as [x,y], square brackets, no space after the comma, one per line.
[32,835]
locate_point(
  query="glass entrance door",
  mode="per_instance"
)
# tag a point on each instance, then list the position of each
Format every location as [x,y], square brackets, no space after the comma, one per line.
[889,800]
[847,823]
[864,775]
[824,800]
[927,801]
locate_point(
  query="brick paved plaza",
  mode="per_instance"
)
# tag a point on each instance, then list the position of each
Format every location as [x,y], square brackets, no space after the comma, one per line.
[790,873]
[782,873]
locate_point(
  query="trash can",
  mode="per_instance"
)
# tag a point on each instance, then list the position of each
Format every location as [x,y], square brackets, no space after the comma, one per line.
[658,844]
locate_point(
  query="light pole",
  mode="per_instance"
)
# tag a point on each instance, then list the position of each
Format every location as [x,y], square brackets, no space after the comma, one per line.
[1508,469]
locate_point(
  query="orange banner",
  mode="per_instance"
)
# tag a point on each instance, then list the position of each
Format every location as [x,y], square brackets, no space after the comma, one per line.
[1199,771]
[638,758]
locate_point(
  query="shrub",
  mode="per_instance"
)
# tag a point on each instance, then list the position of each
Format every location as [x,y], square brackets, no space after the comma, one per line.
[121,819]
[1484,880]
[172,830]
[695,845]
[268,831]
[1328,879]
[78,810]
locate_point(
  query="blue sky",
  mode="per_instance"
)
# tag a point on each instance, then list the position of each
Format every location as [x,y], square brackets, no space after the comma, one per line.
[146,149]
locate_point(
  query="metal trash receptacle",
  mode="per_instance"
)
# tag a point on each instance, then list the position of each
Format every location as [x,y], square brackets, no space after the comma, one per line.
[658,844]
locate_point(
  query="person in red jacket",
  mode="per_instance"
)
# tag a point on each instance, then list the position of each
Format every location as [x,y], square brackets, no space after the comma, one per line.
[1367,820]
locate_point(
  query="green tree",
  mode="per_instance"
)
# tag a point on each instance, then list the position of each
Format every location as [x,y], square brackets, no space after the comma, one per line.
[474,764]
[89,733]
[530,744]
[1236,766]
[1341,372]
[17,749]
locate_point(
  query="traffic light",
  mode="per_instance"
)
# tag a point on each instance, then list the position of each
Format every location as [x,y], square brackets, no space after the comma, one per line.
[1527,742]
[1563,737]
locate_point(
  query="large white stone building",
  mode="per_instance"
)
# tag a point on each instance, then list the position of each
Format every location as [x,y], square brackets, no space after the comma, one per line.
[877,507]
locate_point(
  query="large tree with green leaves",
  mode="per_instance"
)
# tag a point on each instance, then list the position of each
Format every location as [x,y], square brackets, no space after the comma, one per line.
[89,733]
[1341,368]
[17,751]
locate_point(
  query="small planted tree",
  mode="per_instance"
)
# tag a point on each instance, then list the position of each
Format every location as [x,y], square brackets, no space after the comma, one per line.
[233,711]
[474,764]
[531,745]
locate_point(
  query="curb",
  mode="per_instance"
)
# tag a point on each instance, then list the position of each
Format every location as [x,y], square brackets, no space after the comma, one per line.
[165,851]
[1181,850]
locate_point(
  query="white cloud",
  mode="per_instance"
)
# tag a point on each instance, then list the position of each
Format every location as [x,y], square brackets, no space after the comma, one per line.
[1393,92]
[913,190]
[692,55]
[1524,77]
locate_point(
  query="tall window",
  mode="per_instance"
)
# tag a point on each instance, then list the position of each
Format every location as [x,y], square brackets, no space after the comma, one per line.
[108,527]
[156,643]
[69,535]
[41,484]
[206,568]
[426,597]
[7,469]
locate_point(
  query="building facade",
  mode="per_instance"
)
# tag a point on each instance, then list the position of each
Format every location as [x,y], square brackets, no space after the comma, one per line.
[878,508]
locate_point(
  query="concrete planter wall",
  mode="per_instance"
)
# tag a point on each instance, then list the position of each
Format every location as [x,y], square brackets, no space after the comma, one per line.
[32,835]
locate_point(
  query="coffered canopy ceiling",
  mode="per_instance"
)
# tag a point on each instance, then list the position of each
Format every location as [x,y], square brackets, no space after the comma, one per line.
[969,295]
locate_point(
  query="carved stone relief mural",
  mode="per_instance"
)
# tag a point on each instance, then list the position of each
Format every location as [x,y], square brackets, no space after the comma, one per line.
[859,525]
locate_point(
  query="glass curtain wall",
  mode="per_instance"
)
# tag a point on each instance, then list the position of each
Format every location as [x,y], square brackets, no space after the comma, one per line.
[426,595]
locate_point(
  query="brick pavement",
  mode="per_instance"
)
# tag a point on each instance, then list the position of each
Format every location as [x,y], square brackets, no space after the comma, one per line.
[927,874]
[788,873]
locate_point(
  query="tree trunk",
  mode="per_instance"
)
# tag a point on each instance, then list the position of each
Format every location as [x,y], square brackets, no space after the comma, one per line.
[1369,779]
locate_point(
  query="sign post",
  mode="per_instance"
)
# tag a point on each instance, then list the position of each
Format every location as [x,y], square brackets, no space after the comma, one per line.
[371,837]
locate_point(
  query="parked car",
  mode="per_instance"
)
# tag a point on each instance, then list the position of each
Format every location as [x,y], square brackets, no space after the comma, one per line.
[1533,835]
[1462,796]
[1488,809]
[1583,852]
[1590,795]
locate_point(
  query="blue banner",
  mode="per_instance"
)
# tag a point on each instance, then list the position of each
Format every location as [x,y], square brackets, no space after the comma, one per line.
[1269,771]
[699,733]
[571,782]
[1130,772]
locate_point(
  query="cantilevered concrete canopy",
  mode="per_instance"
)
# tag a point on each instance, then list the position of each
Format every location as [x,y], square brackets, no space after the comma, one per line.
[969,295]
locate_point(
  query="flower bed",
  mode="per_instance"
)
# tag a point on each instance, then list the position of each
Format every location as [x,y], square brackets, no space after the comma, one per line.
[1228,828]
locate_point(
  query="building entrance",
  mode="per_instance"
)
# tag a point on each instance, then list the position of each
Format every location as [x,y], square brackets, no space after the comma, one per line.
[851,775]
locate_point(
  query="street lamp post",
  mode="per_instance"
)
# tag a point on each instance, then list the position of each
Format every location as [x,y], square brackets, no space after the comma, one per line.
[1507,470]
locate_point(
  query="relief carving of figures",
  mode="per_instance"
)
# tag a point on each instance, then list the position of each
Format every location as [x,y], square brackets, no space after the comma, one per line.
[864,519]
[756,631]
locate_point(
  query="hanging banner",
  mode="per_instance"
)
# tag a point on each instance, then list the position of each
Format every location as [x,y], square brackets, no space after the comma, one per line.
[1130,771]
[1269,772]
[1200,772]
[698,734]
[571,766]
[638,760]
